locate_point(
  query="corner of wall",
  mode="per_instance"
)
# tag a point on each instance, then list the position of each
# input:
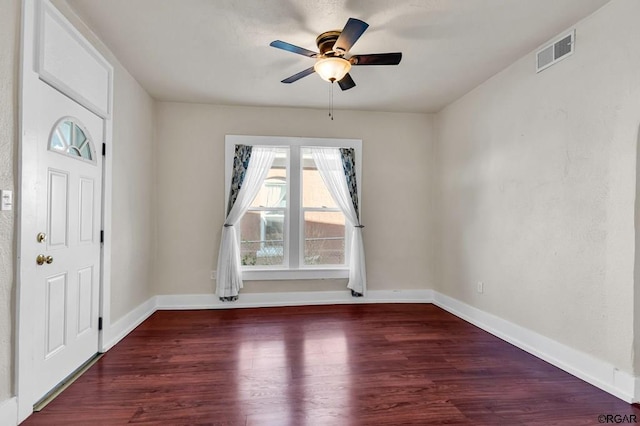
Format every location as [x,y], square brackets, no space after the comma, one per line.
[635,352]
[436,202]
[155,193]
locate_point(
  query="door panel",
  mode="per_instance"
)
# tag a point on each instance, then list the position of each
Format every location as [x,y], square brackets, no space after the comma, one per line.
[87,214]
[85,290]
[56,301]
[65,62]
[58,211]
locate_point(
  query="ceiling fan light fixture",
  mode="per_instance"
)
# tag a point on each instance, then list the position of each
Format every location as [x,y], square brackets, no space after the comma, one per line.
[332,69]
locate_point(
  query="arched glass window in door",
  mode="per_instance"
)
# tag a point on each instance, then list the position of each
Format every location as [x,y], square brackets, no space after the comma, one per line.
[71,138]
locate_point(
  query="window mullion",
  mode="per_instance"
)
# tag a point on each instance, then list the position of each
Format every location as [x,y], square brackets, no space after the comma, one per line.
[295,190]
[322,209]
[266,209]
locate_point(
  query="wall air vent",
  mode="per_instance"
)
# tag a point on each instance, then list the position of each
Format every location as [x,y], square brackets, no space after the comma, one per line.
[556,51]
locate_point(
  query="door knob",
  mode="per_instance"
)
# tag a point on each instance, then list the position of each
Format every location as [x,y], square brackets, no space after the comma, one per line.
[42,259]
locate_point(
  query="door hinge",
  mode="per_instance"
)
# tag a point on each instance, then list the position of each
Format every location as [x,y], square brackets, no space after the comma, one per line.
[101,236]
[99,323]
[104,149]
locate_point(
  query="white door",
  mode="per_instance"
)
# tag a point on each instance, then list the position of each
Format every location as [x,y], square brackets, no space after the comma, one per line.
[64,244]
[65,116]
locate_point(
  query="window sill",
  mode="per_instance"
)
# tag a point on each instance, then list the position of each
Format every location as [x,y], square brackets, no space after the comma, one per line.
[294,274]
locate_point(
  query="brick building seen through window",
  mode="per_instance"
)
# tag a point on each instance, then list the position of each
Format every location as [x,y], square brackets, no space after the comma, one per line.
[322,222]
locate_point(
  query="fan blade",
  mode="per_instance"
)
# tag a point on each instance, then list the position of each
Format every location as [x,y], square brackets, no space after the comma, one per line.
[279,44]
[377,59]
[347,82]
[299,75]
[350,34]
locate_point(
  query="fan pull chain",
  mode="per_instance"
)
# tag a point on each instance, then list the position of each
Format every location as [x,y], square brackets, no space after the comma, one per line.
[331,101]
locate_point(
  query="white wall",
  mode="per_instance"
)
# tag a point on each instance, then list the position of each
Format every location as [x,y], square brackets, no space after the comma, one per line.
[133,226]
[396,191]
[9,54]
[536,190]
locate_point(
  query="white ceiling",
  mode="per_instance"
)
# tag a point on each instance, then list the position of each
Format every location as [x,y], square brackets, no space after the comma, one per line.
[217,51]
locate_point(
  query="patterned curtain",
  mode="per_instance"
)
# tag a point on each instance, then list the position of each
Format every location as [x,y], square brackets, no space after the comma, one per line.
[240,164]
[246,181]
[349,165]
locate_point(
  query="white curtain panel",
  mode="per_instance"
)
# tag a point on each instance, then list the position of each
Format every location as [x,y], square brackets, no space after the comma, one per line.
[229,275]
[329,163]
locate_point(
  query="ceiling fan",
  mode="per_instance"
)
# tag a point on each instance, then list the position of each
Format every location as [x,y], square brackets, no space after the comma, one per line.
[334,62]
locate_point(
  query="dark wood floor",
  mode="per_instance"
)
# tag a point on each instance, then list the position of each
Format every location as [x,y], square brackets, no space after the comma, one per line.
[323,365]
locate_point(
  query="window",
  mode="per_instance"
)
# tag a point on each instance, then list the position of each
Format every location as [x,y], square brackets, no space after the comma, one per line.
[323,222]
[69,137]
[262,227]
[293,228]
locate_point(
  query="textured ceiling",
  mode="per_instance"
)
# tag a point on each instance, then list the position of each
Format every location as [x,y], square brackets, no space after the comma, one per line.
[217,51]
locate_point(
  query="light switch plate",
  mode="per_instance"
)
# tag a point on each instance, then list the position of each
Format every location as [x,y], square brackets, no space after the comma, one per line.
[6,199]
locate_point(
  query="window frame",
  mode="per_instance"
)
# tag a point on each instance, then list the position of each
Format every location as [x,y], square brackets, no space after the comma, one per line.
[293,267]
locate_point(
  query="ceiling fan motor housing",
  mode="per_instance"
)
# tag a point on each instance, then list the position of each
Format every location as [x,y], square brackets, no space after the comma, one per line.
[325,42]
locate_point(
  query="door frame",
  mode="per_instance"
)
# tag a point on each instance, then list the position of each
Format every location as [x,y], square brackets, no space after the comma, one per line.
[32,11]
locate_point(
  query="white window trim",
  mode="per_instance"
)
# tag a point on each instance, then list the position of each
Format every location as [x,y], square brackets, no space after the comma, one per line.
[293,271]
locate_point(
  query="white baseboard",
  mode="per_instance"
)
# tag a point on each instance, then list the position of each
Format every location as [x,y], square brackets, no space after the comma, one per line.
[263,300]
[582,365]
[115,332]
[9,412]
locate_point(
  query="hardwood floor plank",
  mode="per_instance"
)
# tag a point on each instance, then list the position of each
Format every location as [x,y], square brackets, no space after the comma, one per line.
[380,364]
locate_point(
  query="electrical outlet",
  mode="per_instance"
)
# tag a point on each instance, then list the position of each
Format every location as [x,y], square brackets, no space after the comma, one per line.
[480,287]
[213,275]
